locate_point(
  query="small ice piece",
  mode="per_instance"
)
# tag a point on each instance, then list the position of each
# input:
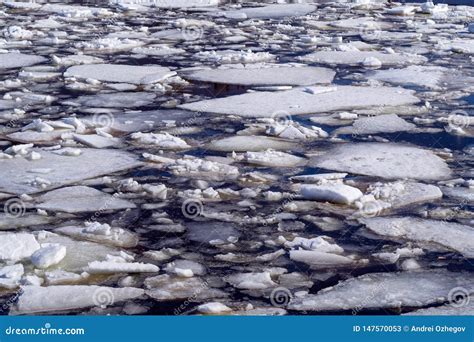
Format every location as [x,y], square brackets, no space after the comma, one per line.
[162,140]
[410,264]
[402,10]
[429,8]
[319,259]
[108,267]
[11,275]
[48,255]
[251,281]
[273,158]
[319,90]
[96,141]
[17,246]
[165,287]
[101,233]
[61,277]
[371,62]
[186,273]
[336,193]
[213,308]
[318,243]
[320,177]
[387,123]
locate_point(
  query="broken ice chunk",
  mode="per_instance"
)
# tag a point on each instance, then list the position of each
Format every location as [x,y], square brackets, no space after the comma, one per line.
[48,255]
[336,193]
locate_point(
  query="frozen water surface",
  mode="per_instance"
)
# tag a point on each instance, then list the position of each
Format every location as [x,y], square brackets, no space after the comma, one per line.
[235,157]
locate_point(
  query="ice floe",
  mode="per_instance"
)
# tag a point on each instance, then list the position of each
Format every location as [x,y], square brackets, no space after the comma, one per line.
[298,101]
[120,73]
[386,290]
[385,160]
[38,299]
[453,236]
[264,75]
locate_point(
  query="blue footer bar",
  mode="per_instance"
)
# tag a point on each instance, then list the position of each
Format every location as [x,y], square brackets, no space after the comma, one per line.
[236,329]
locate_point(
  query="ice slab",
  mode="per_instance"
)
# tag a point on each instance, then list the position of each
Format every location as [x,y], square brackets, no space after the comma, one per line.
[386,290]
[79,199]
[120,73]
[114,100]
[336,193]
[249,143]
[417,75]
[17,246]
[169,3]
[388,123]
[271,11]
[358,58]
[18,60]
[16,175]
[38,299]
[385,160]
[166,288]
[272,75]
[298,101]
[101,233]
[454,236]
